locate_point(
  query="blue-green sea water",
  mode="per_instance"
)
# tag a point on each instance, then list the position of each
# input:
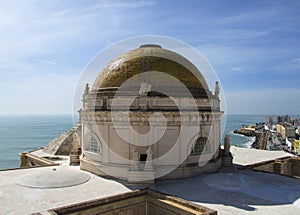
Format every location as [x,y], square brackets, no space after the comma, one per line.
[234,121]
[20,133]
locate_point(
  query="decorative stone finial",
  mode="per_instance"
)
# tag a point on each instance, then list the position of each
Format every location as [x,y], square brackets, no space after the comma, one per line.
[76,142]
[144,89]
[226,145]
[76,151]
[87,89]
[149,165]
[227,156]
[135,154]
[134,159]
[217,89]
[149,154]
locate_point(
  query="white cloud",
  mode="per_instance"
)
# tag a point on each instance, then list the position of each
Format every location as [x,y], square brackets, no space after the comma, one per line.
[32,31]
[241,34]
[53,41]
[61,13]
[250,16]
[36,37]
[45,61]
[236,69]
[122,4]
[291,65]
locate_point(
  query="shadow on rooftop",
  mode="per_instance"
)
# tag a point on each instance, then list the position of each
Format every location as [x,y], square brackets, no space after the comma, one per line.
[264,190]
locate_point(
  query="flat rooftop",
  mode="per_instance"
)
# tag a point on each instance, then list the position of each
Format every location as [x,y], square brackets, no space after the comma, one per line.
[31,190]
[248,156]
[229,191]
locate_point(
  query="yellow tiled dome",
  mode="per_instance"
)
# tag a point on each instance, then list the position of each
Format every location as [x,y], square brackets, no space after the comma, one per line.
[152,58]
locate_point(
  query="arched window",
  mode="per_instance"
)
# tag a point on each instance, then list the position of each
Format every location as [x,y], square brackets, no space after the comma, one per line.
[199,146]
[93,145]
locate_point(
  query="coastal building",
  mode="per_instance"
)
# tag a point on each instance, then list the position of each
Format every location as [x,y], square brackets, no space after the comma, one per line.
[297,141]
[290,132]
[149,115]
[288,136]
[286,130]
[284,119]
[274,119]
[281,130]
[271,119]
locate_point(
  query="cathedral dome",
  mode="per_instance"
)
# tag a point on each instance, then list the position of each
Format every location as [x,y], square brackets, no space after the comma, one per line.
[150,115]
[147,58]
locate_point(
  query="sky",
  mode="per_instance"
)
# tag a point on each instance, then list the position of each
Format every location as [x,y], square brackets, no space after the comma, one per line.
[253,46]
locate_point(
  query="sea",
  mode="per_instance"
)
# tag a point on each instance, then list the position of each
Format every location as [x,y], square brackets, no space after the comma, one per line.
[21,133]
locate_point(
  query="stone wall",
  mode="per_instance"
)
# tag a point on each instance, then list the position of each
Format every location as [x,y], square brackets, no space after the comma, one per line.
[29,160]
[295,167]
[62,145]
[289,166]
[136,202]
[168,150]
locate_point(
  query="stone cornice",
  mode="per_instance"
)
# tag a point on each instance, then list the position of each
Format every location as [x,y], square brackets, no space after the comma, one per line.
[136,103]
[152,117]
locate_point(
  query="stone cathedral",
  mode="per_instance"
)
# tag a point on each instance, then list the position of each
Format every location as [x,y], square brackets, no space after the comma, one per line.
[148,116]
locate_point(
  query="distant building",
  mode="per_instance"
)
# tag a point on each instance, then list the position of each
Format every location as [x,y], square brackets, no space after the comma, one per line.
[296,122]
[290,132]
[281,130]
[271,119]
[274,119]
[284,119]
[297,141]
[285,130]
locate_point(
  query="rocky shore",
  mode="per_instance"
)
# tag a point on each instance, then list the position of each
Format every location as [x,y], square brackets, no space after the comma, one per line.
[260,137]
[245,131]
[260,140]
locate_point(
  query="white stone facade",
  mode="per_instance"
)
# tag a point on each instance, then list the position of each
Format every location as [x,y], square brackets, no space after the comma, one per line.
[119,133]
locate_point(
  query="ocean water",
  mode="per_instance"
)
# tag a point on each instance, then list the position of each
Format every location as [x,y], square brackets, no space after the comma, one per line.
[19,133]
[234,122]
